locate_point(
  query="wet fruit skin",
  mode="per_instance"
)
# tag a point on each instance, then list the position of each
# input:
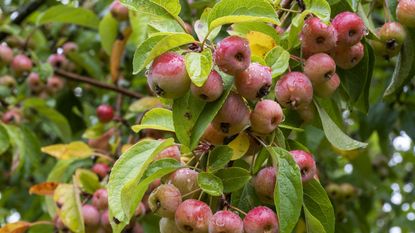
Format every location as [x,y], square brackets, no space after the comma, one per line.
[6,54]
[100,199]
[233,117]
[317,37]
[266,116]
[185,180]
[254,82]
[211,90]
[21,63]
[327,88]
[264,184]
[405,12]
[225,221]
[347,58]
[193,216]
[294,90]
[261,219]
[168,225]
[105,113]
[164,200]
[306,163]
[233,55]
[119,11]
[172,152]
[168,77]
[319,68]
[350,28]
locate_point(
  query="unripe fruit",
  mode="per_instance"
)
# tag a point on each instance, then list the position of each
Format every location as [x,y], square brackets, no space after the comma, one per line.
[254,82]
[327,88]
[57,60]
[101,169]
[185,179]
[105,221]
[349,57]
[317,36]
[164,200]
[6,54]
[319,68]
[100,199]
[211,90]
[168,225]
[91,215]
[225,221]
[307,113]
[347,191]
[213,136]
[69,47]
[266,116]
[172,152]
[350,28]
[21,64]
[405,12]
[264,184]
[294,90]
[54,84]
[119,11]
[7,81]
[306,163]
[13,115]
[193,216]
[233,55]
[233,117]
[261,219]
[105,113]
[168,77]
[333,190]
[393,35]
[34,82]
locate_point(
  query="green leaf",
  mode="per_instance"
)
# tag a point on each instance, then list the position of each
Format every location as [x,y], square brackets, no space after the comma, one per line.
[199,66]
[89,63]
[68,14]
[4,140]
[202,28]
[108,30]
[278,59]
[334,134]
[245,28]
[319,207]
[320,8]
[162,164]
[312,223]
[88,181]
[262,156]
[157,45]
[404,69]
[233,178]
[210,183]
[69,207]
[219,157]
[144,104]
[156,118]
[127,172]
[171,6]
[288,193]
[139,24]
[236,11]
[247,199]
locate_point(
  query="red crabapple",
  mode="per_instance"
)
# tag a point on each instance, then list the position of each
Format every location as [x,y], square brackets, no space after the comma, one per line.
[211,90]
[213,136]
[306,163]
[392,35]
[164,200]
[105,221]
[105,113]
[185,179]
[261,219]
[294,90]
[266,116]
[100,199]
[21,64]
[34,82]
[233,55]
[193,216]
[91,216]
[226,221]
[119,11]
[327,88]
[349,57]
[13,115]
[254,82]
[350,28]
[264,184]
[319,68]
[172,152]
[317,36]
[6,54]
[69,47]
[405,12]
[101,169]
[57,60]
[54,84]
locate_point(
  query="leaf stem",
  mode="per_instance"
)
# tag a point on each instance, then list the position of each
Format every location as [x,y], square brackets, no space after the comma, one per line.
[192,192]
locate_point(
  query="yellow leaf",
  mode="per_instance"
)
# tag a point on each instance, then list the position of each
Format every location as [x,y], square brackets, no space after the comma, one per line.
[45,188]
[350,155]
[239,145]
[260,43]
[72,150]
[17,227]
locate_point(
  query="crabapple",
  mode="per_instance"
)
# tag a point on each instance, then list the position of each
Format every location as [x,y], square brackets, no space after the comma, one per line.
[254,82]
[350,28]
[101,169]
[233,55]
[193,216]
[319,68]
[307,113]
[7,81]
[13,115]
[264,184]
[294,90]
[317,36]
[21,64]
[168,77]
[213,136]
[392,35]
[333,190]
[261,219]
[306,163]
[233,116]
[105,221]
[405,12]
[164,200]
[91,216]
[185,179]
[119,11]
[100,199]
[34,82]
[54,84]
[172,152]
[168,225]
[137,228]
[347,191]
[6,54]
[327,88]
[105,113]
[69,47]
[211,90]
[57,60]
[266,116]
[349,57]
[226,221]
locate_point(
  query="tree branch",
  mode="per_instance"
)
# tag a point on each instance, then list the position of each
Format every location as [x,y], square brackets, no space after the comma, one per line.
[96,83]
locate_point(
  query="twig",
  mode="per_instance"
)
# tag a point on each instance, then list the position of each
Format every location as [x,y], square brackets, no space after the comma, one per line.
[96,83]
